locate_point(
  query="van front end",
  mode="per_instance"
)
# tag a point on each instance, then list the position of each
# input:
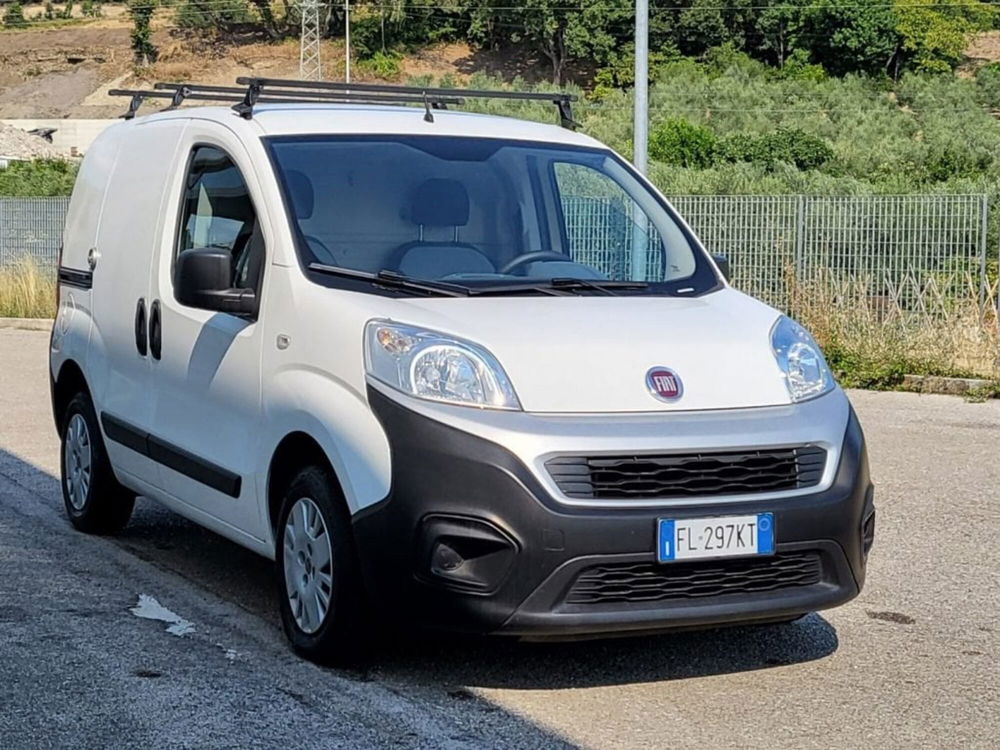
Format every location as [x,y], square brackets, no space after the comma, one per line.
[561,525]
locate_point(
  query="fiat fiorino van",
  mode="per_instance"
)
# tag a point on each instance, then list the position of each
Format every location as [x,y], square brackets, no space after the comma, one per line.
[448,370]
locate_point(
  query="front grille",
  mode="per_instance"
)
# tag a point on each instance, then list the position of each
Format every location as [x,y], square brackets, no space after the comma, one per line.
[648,582]
[687,474]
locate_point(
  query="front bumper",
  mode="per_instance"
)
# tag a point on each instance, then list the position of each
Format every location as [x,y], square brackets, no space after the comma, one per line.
[469,539]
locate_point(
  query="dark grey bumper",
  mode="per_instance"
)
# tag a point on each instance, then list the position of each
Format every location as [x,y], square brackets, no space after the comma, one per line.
[469,540]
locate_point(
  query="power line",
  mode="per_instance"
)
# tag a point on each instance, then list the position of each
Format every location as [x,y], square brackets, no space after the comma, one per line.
[606,5]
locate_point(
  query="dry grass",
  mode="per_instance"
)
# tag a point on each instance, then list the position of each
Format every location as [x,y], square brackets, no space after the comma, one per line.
[872,340]
[27,291]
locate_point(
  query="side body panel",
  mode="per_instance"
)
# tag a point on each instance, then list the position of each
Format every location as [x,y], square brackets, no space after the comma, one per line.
[71,331]
[208,378]
[131,225]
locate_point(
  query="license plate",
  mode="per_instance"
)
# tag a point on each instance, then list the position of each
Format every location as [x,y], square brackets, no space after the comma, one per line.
[725,536]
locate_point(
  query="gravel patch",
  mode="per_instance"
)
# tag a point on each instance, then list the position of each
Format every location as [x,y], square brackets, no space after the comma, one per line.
[19,144]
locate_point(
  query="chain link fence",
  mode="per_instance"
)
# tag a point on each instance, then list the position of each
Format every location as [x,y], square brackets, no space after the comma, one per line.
[912,253]
[31,227]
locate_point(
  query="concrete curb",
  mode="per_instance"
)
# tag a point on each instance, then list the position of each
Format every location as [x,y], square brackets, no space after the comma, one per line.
[27,324]
[937,384]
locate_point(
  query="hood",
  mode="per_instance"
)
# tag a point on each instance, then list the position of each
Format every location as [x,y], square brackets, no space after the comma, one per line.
[591,354]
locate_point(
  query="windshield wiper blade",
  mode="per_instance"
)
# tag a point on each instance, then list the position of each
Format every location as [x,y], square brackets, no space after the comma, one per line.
[519,288]
[396,280]
[604,287]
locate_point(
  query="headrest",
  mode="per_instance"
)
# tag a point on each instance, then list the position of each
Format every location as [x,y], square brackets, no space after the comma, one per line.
[300,192]
[440,203]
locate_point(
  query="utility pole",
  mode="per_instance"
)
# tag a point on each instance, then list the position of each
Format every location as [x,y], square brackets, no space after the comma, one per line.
[347,41]
[640,138]
[310,66]
[640,128]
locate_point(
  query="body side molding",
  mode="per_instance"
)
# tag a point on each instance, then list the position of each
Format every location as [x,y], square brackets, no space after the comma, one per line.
[178,459]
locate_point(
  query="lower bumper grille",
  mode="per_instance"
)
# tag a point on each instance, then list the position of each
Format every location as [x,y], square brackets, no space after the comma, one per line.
[648,582]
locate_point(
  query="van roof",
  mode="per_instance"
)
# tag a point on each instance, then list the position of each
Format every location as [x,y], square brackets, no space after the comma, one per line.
[353,119]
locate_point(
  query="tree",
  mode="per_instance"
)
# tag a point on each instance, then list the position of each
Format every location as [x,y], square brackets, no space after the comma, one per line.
[847,37]
[933,37]
[778,28]
[589,32]
[14,18]
[141,12]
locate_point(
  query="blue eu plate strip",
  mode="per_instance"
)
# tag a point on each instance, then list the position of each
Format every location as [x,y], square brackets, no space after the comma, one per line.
[666,551]
[765,533]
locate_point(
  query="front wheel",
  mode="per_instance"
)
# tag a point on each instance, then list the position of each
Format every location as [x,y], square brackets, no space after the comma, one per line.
[95,502]
[323,610]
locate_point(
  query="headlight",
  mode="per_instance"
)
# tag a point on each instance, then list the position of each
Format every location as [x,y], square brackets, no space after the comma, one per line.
[800,359]
[435,366]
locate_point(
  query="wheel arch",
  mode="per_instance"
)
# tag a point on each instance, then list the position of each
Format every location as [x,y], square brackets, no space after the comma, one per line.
[294,452]
[67,384]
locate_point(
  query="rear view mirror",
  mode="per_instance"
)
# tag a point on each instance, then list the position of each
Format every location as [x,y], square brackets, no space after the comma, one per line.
[723,263]
[203,278]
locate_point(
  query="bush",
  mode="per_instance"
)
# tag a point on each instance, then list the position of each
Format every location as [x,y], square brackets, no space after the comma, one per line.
[950,160]
[785,145]
[798,68]
[13,17]
[382,64]
[42,177]
[681,143]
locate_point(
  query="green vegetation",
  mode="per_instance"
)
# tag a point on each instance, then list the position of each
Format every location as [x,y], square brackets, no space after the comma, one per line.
[141,12]
[13,17]
[807,37]
[42,177]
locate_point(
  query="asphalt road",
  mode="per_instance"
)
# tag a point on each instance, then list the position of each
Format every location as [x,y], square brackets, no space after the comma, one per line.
[912,663]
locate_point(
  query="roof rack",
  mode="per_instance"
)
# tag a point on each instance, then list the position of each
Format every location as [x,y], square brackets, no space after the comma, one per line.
[178,93]
[280,90]
[563,101]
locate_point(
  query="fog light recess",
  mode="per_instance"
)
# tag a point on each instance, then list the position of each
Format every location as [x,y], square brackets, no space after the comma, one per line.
[470,554]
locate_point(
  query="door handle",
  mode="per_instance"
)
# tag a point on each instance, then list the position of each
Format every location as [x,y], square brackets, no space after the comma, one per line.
[155,330]
[141,341]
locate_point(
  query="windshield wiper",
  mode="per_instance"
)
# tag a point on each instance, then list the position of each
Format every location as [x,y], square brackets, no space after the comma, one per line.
[395,280]
[604,287]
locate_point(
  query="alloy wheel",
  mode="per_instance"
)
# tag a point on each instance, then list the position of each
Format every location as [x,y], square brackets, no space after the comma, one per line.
[308,562]
[78,467]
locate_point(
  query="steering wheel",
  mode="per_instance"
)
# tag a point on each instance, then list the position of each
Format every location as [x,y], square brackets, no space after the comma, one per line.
[537,255]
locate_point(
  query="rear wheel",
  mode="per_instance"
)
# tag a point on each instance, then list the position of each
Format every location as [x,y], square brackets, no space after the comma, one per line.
[95,502]
[323,610]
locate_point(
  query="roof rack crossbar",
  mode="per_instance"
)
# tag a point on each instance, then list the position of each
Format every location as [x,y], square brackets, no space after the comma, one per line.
[177,93]
[562,100]
[338,96]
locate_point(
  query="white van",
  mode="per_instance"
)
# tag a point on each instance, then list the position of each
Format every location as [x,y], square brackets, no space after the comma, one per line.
[446,369]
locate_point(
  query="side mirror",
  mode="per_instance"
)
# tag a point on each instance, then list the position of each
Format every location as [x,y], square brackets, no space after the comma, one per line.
[203,278]
[723,263]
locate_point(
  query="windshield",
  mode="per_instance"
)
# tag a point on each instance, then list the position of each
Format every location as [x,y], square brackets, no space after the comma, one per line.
[483,213]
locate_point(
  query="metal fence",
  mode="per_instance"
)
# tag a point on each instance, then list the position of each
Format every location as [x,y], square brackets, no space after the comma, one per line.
[31,227]
[910,252]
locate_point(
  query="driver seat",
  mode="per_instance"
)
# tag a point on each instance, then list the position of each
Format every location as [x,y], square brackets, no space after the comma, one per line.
[440,203]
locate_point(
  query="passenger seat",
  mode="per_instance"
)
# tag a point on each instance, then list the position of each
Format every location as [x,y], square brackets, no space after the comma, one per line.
[440,203]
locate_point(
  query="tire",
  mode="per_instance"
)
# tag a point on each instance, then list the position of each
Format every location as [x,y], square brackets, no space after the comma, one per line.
[313,516]
[95,502]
